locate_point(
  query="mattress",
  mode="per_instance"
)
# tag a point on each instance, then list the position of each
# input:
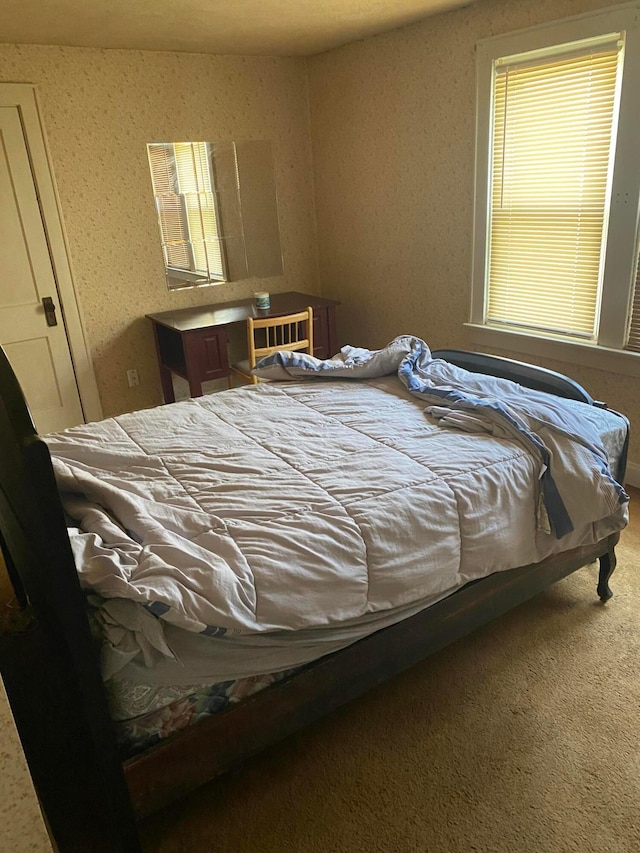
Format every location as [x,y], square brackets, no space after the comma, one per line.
[143,715]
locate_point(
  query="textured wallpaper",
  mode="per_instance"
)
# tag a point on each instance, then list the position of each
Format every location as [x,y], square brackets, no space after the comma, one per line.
[100,108]
[392,127]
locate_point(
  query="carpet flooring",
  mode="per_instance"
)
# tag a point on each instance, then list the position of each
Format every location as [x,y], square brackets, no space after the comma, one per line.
[521,738]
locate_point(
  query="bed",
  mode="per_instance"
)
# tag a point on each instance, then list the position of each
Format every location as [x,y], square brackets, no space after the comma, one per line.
[322,471]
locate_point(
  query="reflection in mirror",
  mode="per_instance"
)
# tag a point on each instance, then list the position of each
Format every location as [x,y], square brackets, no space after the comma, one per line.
[217,211]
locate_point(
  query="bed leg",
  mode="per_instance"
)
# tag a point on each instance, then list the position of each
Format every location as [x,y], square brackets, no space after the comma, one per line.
[607,566]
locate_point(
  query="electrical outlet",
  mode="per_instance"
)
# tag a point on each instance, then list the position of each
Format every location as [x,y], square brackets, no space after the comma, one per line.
[132,378]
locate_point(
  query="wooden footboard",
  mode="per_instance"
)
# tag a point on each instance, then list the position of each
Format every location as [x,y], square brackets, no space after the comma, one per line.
[187,760]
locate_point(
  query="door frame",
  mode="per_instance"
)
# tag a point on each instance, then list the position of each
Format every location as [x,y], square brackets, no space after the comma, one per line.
[24,96]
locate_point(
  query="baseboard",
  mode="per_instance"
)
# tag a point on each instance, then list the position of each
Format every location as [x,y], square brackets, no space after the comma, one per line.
[633,475]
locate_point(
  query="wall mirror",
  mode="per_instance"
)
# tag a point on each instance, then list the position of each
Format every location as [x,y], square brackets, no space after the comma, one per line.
[217,211]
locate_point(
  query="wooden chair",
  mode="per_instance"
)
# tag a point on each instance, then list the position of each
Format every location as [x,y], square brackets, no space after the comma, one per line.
[288,333]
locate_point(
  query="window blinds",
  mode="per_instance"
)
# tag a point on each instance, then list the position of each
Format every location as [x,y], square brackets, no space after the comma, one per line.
[184,191]
[173,226]
[553,130]
[633,341]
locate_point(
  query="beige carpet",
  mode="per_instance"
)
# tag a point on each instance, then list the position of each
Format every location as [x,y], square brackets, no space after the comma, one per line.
[523,737]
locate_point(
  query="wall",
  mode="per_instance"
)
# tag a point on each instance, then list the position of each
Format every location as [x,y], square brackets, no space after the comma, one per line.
[392,124]
[100,108]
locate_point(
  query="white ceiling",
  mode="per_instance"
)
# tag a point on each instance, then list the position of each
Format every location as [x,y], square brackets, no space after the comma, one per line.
[261,27]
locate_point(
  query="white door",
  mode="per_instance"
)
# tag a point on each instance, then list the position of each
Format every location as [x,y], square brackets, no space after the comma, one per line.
[33,338]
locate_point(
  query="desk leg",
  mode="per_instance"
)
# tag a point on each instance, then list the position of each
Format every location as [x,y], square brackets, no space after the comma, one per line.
[167,384]
[195,388]
[165,374]
[192,361]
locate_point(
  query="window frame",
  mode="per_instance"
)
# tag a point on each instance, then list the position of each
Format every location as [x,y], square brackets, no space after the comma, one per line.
[620,256]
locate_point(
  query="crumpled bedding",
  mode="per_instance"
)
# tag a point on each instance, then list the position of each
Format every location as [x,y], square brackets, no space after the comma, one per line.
[483,404]
[305,506]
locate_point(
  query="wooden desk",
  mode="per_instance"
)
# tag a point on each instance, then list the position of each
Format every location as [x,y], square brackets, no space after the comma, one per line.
[192,342]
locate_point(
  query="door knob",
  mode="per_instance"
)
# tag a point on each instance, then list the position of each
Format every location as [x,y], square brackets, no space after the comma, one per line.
[49,311]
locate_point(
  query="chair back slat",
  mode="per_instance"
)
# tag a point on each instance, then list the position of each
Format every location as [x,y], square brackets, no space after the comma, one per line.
[288,333]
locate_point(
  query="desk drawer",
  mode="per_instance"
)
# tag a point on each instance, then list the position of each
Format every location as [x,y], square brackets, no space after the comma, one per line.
[206,353]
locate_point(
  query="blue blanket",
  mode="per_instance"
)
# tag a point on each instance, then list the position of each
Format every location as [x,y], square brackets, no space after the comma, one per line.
[574,469]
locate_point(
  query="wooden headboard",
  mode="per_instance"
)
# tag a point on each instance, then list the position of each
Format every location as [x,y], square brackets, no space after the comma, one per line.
[536,378]
[529,375]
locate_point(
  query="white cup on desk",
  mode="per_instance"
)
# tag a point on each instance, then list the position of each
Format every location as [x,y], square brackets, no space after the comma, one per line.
[263,299]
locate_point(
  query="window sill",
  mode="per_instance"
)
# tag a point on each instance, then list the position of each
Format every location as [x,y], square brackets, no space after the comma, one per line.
[175,284]
[585,355]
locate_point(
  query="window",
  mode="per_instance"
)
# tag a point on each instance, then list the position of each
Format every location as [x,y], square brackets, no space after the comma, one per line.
[558,183]
[184,189]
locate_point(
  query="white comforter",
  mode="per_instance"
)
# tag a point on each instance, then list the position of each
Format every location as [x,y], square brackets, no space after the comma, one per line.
[293,506]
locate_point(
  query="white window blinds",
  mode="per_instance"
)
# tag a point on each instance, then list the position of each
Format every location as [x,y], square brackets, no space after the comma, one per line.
[183,185]
[554,122]
[633,340]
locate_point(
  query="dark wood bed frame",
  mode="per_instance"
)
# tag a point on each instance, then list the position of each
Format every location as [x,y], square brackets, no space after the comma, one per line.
[49,661]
